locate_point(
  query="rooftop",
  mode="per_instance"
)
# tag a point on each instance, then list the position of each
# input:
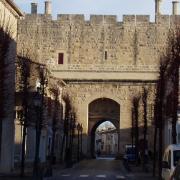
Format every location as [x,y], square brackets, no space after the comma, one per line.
[15,7]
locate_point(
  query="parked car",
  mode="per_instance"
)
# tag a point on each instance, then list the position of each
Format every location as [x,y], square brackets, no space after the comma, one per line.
[130,153]
[170,159]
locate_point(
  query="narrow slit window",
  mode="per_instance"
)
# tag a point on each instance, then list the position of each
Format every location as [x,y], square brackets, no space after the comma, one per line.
[61,58]
[105,55]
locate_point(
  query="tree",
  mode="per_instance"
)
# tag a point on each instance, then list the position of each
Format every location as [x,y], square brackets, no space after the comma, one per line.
[164,101]
[144,100]
[65,142]
[55,120]
[69,130]
[160,95]
[132,127]
[155,134]
[135,107]
[173,58]
[23,65]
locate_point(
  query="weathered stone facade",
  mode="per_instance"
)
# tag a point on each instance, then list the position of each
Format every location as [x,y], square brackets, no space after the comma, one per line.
[103,58]
[9,15]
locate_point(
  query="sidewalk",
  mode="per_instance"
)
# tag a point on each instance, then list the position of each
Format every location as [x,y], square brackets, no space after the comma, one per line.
[15,175]
[139,172]
[16,178]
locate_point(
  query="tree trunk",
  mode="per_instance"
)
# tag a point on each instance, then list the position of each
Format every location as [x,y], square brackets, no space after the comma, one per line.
[23,150]
[175,104]
[132,128]
[154,153]
[136,130]
[52,147]
[36,159]
[160,121]
[145,128]
[62,147]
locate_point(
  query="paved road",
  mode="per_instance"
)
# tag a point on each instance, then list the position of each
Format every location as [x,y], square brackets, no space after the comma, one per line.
[98,169]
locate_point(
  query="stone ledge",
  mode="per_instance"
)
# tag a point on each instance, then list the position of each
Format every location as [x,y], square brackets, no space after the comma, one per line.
[141,76]
[102,68]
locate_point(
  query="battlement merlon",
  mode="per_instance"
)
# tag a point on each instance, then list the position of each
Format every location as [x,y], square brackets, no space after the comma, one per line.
[131,20]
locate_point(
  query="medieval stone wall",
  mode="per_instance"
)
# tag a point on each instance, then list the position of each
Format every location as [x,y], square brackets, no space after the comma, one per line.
[134,42]
[103,58]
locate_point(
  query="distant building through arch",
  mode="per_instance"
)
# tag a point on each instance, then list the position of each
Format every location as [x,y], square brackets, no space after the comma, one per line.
[99,111]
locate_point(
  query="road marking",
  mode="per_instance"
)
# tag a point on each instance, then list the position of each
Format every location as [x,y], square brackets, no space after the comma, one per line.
[120,177]
[84,175]
[130,175]
[101,176]
[65,175]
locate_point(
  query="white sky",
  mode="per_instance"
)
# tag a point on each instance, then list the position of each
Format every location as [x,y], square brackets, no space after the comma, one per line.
[105,125]
[112,7]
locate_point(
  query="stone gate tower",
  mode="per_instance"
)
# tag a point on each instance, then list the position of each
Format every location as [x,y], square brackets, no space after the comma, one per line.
[103,62]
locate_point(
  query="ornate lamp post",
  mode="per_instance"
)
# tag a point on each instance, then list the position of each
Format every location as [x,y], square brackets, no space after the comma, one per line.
[78,129]
[38,104]
[81,130]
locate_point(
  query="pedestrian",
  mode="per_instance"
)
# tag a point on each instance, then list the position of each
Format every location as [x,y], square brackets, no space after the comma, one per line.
[139,157]
[126,163]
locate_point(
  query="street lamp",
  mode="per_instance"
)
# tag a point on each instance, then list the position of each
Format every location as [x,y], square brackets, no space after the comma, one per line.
[37,106]
[81,130]
[78,129]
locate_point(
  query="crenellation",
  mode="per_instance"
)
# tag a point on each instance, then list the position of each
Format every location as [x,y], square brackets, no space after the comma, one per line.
[71,18]
[110,19]
[163,20]
[142,20]
[96,19]
[37,18]
[175,20]
[63,17]
[129,19]
[79,18]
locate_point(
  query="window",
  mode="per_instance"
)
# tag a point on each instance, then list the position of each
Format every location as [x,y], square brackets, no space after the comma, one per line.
[60,58]
[176,156]
[105,55]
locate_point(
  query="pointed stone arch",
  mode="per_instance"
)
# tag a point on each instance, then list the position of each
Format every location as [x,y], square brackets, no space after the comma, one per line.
[99,111]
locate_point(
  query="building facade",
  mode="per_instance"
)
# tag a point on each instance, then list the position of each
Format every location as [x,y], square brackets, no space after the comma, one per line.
[106,142]
[52,111]
[9,15]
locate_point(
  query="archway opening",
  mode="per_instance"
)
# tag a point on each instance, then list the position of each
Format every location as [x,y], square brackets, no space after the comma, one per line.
[106,140]
[100,111]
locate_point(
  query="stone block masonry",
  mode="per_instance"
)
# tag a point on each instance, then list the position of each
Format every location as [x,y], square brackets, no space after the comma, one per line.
[100,58]
[133,42]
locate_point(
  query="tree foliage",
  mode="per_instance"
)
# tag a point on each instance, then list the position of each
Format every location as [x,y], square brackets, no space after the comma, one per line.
[135,122]
[166,104]
[23,65]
